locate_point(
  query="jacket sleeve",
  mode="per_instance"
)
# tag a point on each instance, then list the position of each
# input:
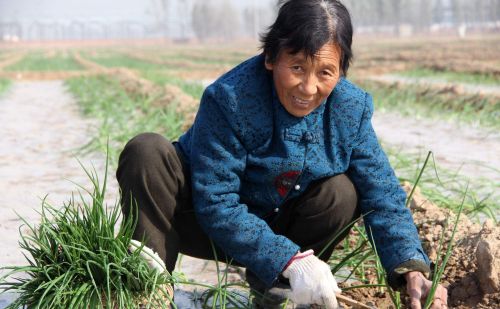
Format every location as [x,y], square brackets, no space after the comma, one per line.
[218,162]
[388,222]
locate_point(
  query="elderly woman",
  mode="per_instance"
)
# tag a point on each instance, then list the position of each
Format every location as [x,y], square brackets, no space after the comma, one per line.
[280,159]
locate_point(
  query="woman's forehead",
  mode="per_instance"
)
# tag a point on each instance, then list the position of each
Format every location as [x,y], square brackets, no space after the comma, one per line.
[327,53]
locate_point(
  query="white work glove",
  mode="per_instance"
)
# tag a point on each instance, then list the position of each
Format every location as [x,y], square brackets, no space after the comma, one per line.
[312,281]
[152,258]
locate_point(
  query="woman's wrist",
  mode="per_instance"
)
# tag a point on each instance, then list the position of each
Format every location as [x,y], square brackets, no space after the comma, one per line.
[412,274]
[299,255]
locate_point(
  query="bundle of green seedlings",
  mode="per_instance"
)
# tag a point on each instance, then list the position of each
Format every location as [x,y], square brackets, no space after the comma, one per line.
[79,257]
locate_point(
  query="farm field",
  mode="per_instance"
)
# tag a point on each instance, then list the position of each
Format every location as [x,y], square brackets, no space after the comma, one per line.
[45,61]
[443,95]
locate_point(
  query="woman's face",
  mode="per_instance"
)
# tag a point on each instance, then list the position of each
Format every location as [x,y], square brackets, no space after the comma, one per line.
[302,83]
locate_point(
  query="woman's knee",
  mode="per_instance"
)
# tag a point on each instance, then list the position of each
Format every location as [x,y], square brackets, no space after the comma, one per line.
[340,191]
[146,146]
[143,152]
[336,195]
[323,215]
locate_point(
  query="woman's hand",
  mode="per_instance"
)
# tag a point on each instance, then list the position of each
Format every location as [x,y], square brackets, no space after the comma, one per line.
[152,258]
[418,287]
[311,281]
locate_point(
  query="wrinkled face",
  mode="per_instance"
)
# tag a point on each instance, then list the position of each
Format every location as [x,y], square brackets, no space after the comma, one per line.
[302,83]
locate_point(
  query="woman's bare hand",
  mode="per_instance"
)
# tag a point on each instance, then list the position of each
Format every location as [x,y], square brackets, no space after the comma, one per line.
[418,287]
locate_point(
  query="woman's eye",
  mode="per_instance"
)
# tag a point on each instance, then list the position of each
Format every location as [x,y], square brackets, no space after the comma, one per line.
[296,68]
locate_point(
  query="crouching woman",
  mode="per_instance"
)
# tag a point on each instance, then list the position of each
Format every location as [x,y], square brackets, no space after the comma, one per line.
[280,159]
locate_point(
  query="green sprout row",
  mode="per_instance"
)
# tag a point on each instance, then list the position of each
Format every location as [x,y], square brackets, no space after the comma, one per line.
[37,61]
[158,74]
[120,116]
[453,77]
[4,85]
[432,103]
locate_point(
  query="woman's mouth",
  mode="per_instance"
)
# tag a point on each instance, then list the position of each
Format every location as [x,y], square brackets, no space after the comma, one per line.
[301,102]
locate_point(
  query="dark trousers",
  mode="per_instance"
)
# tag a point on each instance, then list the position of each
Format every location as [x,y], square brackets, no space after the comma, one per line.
[152,173]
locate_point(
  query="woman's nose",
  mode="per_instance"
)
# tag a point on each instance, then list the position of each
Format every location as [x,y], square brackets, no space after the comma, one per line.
[309,85]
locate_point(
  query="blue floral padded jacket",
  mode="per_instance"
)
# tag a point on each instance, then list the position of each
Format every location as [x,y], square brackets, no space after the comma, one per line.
[248,155]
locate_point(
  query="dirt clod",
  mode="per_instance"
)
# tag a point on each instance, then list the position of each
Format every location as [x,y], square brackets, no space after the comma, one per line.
[488,259]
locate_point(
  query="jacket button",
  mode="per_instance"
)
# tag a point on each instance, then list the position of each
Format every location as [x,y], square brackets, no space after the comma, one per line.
[276,209]
[297,187]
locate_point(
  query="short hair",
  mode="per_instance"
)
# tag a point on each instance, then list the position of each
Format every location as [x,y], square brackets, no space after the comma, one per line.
[307,25]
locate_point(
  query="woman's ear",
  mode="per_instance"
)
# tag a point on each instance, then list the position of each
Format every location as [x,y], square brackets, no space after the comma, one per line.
[267,63]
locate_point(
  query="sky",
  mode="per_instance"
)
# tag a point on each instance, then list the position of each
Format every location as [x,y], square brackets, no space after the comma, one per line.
[64,19]
[30,18]
[138,10]
[73,9]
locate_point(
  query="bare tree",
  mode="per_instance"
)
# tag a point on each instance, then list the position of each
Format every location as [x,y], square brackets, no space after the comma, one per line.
[202,10]
[257,19]
[380,12]
[250,21]
[215,20]
[396,11]
[159,11]
[424,19]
